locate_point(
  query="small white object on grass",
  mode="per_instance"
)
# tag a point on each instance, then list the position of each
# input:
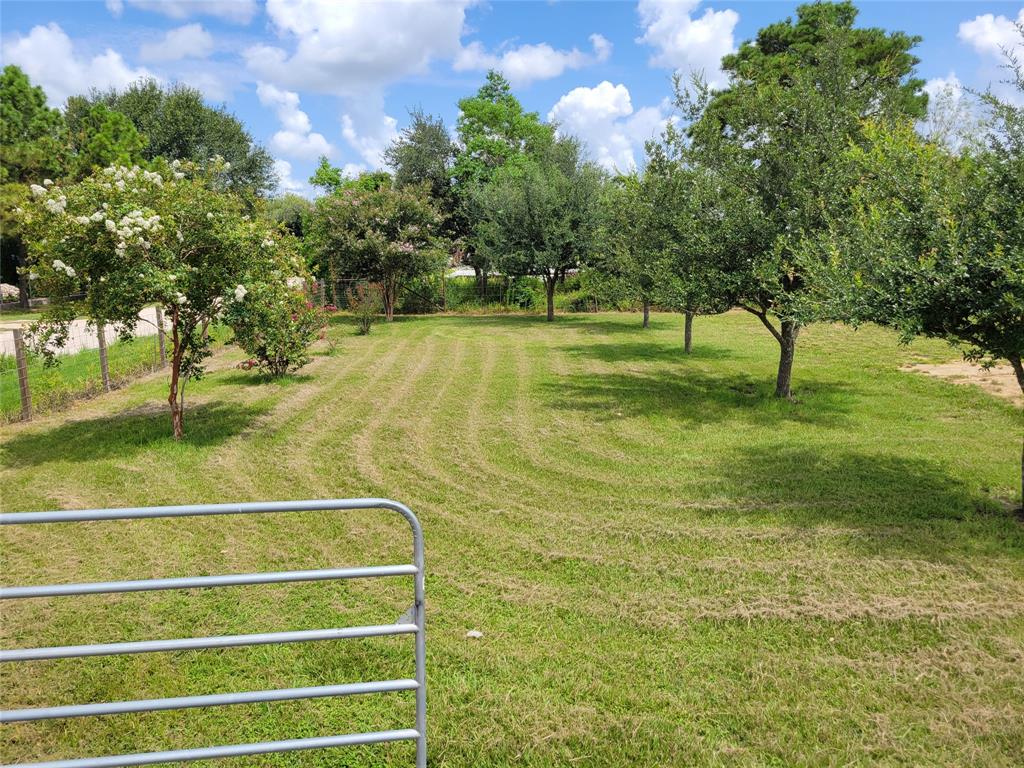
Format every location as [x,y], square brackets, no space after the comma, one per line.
[474,634]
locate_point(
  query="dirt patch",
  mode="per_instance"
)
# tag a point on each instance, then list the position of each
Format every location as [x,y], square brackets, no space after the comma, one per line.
[998,380]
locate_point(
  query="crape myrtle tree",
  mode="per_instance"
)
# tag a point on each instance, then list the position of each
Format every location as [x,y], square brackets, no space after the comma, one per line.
[34,141]
[540,217]
[932,242]
[129,237]
[385,235]
[494,131]
[798,93]
[179,125]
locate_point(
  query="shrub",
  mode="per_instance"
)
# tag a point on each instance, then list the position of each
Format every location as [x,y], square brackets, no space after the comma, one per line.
[275,323]
[366,303]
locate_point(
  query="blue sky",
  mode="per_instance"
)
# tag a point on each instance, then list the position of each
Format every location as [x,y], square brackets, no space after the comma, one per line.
[310,77]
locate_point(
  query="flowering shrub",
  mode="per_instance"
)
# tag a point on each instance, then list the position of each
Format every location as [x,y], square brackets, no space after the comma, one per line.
[128,237]
[366,303]
[8,291]
[274,323]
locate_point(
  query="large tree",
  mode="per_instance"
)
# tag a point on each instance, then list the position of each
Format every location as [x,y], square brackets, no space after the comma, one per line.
[104,137]
[540,217]
[494,131]
[378,234]
[179,125]
[796,94]
[930,241]
[33,138]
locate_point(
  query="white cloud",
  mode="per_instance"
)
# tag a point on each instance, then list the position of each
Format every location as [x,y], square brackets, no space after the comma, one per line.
[296,137]
[949,87]
[235,11]
[351,48]
[285,182]
[47,55]
[604,119]
[368,130]
[991,35]
[527,63]
[188,42]
[684,43]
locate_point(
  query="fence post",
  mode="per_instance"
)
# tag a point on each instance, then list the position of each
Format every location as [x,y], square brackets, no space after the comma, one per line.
[101,336]
[22,362]
[161,339]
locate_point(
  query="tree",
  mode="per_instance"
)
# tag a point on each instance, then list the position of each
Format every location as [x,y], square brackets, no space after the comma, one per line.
[494,131]
[797,93]
[540,217]
[630,249]
[290,211]
[33,138]
[424,153]
[129,237]
[383,235]
[326,176]
[932,242]
[180,126]
[103,138]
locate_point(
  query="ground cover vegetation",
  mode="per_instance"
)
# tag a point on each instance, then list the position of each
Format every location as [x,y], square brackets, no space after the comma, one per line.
[681,545]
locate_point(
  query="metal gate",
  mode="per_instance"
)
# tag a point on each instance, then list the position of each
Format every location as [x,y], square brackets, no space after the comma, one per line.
[411,623]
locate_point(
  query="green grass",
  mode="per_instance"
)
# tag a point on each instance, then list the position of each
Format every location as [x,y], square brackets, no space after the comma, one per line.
[77,375]
[668,566]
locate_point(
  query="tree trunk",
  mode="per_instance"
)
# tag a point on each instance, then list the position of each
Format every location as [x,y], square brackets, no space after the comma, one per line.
[787,344]
[1018,369]
[21,257]
[549,284]
[389,294]
[688,333]
[177,417]
[647,313]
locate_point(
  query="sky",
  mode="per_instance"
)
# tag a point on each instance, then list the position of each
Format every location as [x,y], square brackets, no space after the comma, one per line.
[313,77]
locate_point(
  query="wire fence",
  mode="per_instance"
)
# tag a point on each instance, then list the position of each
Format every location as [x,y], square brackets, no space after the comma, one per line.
[90,362]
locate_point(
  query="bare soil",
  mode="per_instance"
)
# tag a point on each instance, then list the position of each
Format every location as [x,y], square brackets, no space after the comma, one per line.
[998,380]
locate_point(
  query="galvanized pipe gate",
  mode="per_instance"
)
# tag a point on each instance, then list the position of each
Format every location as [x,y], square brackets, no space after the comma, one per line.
[412,623]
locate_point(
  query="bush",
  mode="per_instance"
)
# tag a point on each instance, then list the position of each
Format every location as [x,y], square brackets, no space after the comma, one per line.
[365,303]
[275,324]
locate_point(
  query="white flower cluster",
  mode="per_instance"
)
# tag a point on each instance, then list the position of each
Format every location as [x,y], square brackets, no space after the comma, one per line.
[268,243]
[53,204]
[135,225]
[240,292]
[295,282]
[97,216]
[60,266]
[120,175]
[56,204]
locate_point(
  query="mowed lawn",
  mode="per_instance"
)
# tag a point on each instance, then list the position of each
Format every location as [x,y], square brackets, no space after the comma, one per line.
[668,566]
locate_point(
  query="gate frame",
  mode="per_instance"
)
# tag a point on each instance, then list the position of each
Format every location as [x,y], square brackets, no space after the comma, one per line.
[403,626]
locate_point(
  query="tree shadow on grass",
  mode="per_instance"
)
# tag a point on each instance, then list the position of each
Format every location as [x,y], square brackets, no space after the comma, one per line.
[255,378]
[126,434]
[695,397]
[902,503]
[643,350]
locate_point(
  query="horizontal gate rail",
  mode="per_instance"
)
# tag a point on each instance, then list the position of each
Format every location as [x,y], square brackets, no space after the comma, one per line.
[410,623]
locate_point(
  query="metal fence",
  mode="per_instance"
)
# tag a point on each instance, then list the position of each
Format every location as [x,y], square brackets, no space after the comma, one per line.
[92,361]
[410,623]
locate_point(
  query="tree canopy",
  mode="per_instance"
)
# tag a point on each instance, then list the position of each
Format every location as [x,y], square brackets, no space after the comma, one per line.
[795,94]
[179,125]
